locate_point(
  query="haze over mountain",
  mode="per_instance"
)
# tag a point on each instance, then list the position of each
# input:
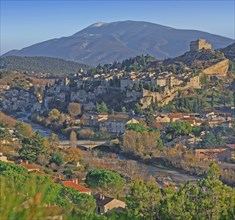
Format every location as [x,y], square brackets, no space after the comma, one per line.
[107,42]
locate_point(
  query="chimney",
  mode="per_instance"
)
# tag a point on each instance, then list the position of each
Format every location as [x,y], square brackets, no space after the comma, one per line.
[101,196]
[73,180]
[27,162]
[76,180]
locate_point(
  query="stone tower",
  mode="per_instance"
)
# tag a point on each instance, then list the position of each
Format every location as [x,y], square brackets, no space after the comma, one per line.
[200,44]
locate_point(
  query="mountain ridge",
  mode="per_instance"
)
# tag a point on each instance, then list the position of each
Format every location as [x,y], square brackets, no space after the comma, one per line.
[106,42]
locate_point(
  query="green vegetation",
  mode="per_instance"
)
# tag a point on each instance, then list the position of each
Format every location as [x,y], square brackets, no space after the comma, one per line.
[138,63]
[202,99]
[102,107]
[138,127]
[232,67]
[4,74]
[32,147]
[25,195]
[206,199]
[40,64]
[104,179]
[176,129]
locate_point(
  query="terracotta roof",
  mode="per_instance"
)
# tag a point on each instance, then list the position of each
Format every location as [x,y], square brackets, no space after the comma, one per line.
[211,150]
[39,172]
[76,186]
[175,115]
[232,146]
[28,166]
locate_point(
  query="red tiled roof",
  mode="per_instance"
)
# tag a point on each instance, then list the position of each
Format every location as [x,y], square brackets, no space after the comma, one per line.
[175,115]
[211,150]
[76,186]
[28,166]
[39,172]
[232,146]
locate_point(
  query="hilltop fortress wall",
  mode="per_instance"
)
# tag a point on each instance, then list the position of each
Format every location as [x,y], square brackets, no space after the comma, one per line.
[200,44]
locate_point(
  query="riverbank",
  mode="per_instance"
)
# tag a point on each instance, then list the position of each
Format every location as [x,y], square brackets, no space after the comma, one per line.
[161,172]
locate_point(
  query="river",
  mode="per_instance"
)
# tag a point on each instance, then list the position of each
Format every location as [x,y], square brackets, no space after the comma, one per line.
[24,117]
[161,174]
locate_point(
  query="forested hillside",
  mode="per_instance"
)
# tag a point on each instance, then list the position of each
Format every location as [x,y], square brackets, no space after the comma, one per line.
[40,64]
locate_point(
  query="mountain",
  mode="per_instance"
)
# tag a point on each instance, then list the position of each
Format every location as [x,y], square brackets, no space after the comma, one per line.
[229,51]
[107,42]
[40,64]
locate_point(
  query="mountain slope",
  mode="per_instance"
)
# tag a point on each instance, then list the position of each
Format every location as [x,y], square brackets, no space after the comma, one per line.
[40,64]
[229,51]
[106,42]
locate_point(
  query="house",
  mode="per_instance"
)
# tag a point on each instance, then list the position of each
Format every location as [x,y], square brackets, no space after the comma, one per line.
[106,204]
[4,158]
[115,123]
[75,185]
[232,149]
[163,118]
[175,116]
[132,121]
[28,166]
[213,154]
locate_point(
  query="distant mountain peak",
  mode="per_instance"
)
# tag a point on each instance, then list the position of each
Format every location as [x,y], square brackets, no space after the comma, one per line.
[98,24]
[115,41]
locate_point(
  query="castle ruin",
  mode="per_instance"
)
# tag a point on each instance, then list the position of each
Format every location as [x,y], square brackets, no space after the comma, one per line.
[200,44]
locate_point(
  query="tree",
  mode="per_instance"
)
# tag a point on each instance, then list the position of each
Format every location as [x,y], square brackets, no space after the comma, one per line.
[54,114]
[212,99]
[138,109]
[179,128]
[53,141]
[57,159]
[143,199]
[123,109]
[104,179]
[102,108]
[73,139]
[206,199]
[32,147]
[74,109]
[23,129]
[144,144]
[72,154]
[149,117]
[25,197]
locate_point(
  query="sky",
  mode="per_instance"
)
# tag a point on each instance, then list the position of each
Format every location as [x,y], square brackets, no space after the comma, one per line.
[23,23]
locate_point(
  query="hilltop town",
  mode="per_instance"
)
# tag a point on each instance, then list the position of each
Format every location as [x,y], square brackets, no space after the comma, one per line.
[117,128]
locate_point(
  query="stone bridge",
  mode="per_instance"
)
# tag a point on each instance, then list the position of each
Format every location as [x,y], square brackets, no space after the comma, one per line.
[87,144]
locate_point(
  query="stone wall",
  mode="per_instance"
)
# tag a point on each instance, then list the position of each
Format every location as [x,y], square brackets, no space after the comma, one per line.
[219,69]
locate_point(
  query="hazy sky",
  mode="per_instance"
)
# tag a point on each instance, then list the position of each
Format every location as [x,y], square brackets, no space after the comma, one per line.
[24,23]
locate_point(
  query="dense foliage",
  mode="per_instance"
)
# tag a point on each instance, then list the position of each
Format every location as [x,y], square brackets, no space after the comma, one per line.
[206,199]
[25,194]
[39,64]
[141,141]
[104,179]
[138,63]
[32,147]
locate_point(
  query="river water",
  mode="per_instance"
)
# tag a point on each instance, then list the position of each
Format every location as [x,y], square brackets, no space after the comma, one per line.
[24,117]
[165,174]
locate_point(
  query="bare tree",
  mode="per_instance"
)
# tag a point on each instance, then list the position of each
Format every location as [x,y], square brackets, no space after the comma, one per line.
[73,139]
[74,109]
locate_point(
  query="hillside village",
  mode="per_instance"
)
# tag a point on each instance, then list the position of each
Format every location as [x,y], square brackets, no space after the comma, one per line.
[177,113]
